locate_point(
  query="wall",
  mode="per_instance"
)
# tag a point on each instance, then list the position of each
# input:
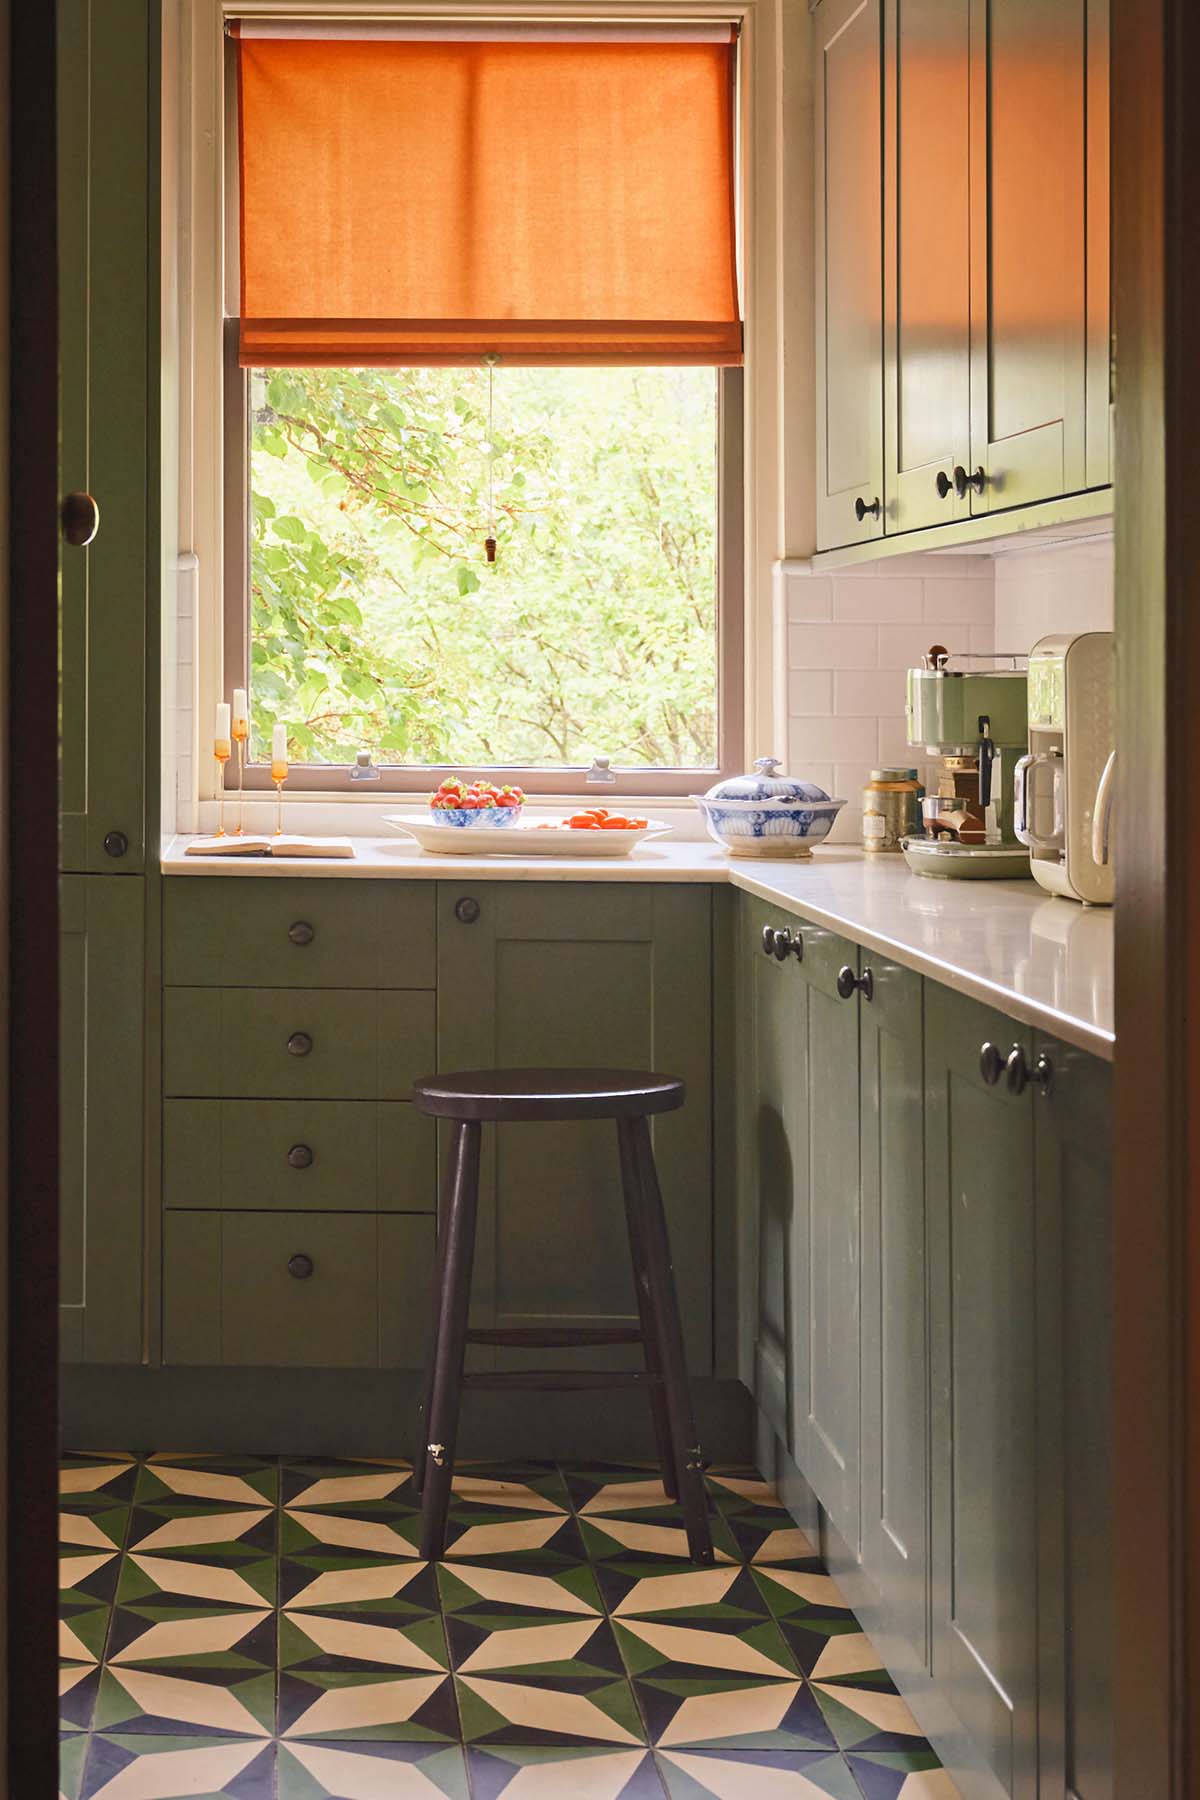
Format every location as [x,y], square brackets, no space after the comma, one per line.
[850,637]
[1053,587]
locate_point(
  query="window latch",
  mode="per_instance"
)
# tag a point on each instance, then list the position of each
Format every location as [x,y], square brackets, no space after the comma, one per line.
[363,769]
[600,773]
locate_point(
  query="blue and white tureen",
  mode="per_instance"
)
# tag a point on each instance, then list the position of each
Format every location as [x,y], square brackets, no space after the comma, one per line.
[767,813]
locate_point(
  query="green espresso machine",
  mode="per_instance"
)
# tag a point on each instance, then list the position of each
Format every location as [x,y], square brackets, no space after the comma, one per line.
[970,714]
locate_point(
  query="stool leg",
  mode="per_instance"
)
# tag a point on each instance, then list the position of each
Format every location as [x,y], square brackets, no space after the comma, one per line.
[449,1339]
[649,1323]
[664,1303]
[439,1275]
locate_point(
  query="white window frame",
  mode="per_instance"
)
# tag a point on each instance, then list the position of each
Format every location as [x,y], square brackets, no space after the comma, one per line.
[776,392]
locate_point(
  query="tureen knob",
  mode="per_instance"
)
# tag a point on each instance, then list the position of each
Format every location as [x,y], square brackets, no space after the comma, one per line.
[767,765]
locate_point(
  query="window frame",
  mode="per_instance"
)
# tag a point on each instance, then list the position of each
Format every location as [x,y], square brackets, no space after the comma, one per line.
[401,778]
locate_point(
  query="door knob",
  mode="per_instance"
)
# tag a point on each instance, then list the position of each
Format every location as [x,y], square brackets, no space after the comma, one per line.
[1017,1070]
[301,932]
[1043,1074]
[300,1266]
[80,518]
[848,982]
[466,910]
[300,1156]
[864,509]
[991,1063]
[115,843]
[782,945]
[768,940]
[299,1044]
[944,485]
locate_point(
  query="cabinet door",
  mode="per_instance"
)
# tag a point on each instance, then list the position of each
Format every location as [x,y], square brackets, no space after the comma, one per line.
[849,293]
[573,974]
[1099,269]
[777,1121]
[927,300]
[895,1343]
[826,1270]
[102,1142]
[1074,1179]
[983,1279]
[105,157]
[1028,289]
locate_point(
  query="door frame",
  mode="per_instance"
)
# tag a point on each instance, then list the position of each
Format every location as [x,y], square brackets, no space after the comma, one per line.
[29,898]
[1156,1189]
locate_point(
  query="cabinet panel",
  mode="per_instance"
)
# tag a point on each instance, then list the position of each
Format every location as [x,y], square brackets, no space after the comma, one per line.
[1028,200]
[105,157]
[102,1116]
[296,1155]
[231,931]
[230,1298]
[927,299]
[827,1241]
[570,974]
[895,1342]
[849,257]
[1099,269]
[234,1041]
[983,1281]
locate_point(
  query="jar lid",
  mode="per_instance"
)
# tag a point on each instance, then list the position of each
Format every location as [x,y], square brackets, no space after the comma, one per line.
[894,775]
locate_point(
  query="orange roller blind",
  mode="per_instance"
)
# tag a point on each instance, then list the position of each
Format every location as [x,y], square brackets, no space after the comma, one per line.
[411,200]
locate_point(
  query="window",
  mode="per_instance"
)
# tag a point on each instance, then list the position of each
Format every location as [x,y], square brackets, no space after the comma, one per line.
[488,562]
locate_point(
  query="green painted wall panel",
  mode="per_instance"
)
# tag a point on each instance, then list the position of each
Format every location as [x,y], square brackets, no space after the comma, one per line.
[235,1154]
[233,1042]
[102,1145]
[233,932]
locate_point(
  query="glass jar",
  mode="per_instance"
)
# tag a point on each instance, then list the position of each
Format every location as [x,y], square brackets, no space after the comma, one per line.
[891,809]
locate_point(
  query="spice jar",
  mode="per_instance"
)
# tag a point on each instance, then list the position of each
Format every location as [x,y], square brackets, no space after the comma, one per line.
[891,808]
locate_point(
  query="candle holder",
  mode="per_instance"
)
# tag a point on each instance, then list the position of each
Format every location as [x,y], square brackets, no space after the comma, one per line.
[279,774]
[240,732]
[221,756]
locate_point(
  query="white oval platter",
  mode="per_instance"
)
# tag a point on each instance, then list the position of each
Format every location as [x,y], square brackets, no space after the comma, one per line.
[520,839]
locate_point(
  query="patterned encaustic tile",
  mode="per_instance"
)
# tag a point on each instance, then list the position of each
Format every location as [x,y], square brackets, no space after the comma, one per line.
[266,1629]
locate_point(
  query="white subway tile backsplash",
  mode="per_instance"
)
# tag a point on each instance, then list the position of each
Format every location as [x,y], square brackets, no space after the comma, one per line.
[831,738]
[856,601]
[875,692]
[809,597]
[903,646]
[832,646]
[967,602]
[810,691]
[893,747]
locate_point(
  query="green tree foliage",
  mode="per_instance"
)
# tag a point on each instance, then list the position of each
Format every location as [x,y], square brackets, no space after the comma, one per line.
[376,618]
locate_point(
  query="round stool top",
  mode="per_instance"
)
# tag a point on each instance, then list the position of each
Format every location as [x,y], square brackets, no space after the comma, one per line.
[548,1094]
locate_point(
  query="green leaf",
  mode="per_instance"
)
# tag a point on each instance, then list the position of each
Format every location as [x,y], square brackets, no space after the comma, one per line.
[290,528]
[467,579]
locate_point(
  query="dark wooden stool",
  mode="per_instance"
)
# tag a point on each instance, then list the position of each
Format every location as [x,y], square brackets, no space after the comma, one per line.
[503,1095]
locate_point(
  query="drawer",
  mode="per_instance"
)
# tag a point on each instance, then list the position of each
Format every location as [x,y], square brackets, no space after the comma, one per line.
[230,1297]
[246,931]
[299,1155]
[345,1045]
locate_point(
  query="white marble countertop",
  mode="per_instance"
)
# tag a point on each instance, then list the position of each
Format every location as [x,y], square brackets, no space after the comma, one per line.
[1047,962]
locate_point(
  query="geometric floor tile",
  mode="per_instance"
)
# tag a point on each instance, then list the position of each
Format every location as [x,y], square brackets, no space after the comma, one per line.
[266,1629]
[545,1773]
[765,1774]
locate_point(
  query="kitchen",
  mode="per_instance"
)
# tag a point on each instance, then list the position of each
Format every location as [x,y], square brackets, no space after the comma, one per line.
[887,1194]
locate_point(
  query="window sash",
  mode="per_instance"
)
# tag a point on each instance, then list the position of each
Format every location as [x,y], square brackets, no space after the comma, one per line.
[545,778]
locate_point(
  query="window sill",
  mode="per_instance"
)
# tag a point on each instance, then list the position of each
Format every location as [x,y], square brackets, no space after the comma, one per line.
[362,814]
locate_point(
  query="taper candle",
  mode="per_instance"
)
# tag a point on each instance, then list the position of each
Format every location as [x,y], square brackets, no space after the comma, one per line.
[241,721]
[221,732]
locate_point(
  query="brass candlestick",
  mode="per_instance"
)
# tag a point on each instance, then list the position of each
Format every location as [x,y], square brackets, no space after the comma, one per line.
[240,733]
[279,774]
[221,756]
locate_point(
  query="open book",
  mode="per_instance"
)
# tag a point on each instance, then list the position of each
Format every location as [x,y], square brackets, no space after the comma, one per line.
[248,845]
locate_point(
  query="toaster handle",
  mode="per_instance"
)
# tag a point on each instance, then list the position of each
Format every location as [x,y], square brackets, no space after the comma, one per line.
[1102,811]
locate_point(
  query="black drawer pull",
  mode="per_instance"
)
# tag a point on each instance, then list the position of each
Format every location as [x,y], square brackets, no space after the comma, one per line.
[299,1044]
[300,1266]
[301,932]
[115,843]
[466,910]
[300,1156]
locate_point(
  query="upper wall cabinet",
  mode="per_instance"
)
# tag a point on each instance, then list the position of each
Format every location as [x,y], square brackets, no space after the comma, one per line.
[993,282]
[849,272]
[106,154]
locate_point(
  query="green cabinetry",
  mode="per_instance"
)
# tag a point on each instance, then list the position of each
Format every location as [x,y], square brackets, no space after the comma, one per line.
[102,1113]
[562,974]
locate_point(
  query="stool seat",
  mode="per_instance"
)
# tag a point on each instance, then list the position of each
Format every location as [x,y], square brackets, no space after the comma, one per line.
[511,1094]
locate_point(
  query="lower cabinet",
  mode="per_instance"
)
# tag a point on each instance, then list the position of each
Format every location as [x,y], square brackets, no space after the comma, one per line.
[286,1290]
[102,1109]
[576,974]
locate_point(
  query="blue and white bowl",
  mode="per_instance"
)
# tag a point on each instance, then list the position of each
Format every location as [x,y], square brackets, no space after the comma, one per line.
[462,816]
[768,814]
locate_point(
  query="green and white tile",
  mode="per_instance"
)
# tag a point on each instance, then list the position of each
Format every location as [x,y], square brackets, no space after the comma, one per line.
[756,1775]
[197,1702]
[864,1710]
[553,1773]
[215,1480]
[370,1771]
[586,1709]
[913,1774]
[170,1768]
[374,1705]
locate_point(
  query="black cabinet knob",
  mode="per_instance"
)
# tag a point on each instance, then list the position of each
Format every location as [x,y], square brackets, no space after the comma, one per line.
[944,484]
[768,940]
[1043,1074]
[849,983]
[80,518]
[866,508]
[301,932]
[300,1156]
[782,946]
[466,910]
[991,1063]
[1016,1070]
[299,1044]
[115,843]
[300,1266]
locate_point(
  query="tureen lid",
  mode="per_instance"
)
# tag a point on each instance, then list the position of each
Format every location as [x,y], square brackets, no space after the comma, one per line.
[767,783]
